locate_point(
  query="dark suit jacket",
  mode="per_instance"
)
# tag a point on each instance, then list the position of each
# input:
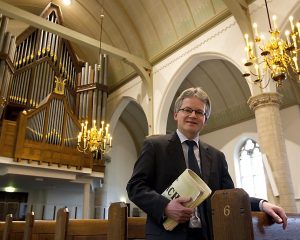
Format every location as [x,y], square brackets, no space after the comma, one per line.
[161,161]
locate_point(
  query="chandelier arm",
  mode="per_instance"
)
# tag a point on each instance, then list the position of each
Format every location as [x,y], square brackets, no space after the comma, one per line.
[268,64]
[270,25]
[291,71]
[252,73]
[265,85]
[81,147]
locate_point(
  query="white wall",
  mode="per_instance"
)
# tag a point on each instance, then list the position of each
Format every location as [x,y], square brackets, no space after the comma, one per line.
[56,197]
[228,138]
[119,170]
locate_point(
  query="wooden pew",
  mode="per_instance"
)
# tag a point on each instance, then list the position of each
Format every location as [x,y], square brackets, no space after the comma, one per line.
[61,224]
[263,228]
[78,229]
[117,217]
[232,219]
[119,227]
[115,228]
[7,227]
[136,227]
[29,220]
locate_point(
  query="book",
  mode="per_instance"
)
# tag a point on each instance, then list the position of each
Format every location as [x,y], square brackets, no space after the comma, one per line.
[188,184]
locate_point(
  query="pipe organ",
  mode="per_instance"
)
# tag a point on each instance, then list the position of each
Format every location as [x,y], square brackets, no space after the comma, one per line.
[29,66]
[46,141]
[40,56]
[7,51]
[92,91]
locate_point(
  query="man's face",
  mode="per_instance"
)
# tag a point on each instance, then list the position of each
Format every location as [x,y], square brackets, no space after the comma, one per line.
[190,124]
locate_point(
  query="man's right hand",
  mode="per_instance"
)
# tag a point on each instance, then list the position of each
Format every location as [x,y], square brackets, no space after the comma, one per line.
[177,211]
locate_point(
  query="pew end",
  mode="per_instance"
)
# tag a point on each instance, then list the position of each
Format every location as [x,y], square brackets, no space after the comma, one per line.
[29,221]
[6,235]
[231,218]
[117,216]
[61,225]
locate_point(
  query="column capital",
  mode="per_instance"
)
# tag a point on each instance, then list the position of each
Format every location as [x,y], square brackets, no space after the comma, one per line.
[264,99]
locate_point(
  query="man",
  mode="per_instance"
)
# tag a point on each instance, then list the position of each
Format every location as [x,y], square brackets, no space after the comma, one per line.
[163,158]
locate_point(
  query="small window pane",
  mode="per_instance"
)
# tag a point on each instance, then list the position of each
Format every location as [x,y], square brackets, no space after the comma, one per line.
[252,170]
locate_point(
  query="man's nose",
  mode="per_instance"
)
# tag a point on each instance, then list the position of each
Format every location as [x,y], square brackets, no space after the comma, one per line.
[193,114]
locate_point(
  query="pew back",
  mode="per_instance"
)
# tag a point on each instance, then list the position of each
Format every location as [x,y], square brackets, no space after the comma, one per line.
[28,226]
[79,229]
[231,213]
[134,228]
[264,227]
[7,227]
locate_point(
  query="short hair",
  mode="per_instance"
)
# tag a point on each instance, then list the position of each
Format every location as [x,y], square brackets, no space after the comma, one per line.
[194,92]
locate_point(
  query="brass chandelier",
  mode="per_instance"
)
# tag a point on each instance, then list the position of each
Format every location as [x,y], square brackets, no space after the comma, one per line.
[278,57]
[98,142]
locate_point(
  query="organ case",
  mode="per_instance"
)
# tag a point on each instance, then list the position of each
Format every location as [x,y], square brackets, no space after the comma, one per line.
[36,59]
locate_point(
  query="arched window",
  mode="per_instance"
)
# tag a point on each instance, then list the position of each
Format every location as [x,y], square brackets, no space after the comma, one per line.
[252,170]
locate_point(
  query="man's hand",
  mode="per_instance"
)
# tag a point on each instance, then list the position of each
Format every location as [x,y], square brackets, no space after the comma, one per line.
[276,212]
[177,211]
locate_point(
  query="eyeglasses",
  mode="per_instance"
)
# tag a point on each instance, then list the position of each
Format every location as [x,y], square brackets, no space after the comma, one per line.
[189,111]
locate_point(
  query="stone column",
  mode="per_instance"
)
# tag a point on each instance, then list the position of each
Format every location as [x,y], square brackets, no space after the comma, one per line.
[86,201]
[99,203]
[272,143]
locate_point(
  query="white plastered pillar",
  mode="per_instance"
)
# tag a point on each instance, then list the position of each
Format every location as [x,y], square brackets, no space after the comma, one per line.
[86,201]
[272,143]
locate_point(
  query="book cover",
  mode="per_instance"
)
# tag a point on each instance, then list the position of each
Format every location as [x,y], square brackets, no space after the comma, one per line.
[188,184]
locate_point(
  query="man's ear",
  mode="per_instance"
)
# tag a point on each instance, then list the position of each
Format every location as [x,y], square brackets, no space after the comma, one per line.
[175,116]
[206,119]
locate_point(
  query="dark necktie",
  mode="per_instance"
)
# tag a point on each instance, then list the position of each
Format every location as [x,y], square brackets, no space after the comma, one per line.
[193,165]
[192,161]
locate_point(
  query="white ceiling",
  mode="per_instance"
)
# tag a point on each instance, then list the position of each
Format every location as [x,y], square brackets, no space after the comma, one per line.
[145,28]
[151,30]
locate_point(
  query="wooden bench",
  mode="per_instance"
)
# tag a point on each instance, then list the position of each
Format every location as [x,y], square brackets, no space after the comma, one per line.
[263,227]
[121,227]
[7,226]
[136,227]
[29,220]
[74,229]
[232,219]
